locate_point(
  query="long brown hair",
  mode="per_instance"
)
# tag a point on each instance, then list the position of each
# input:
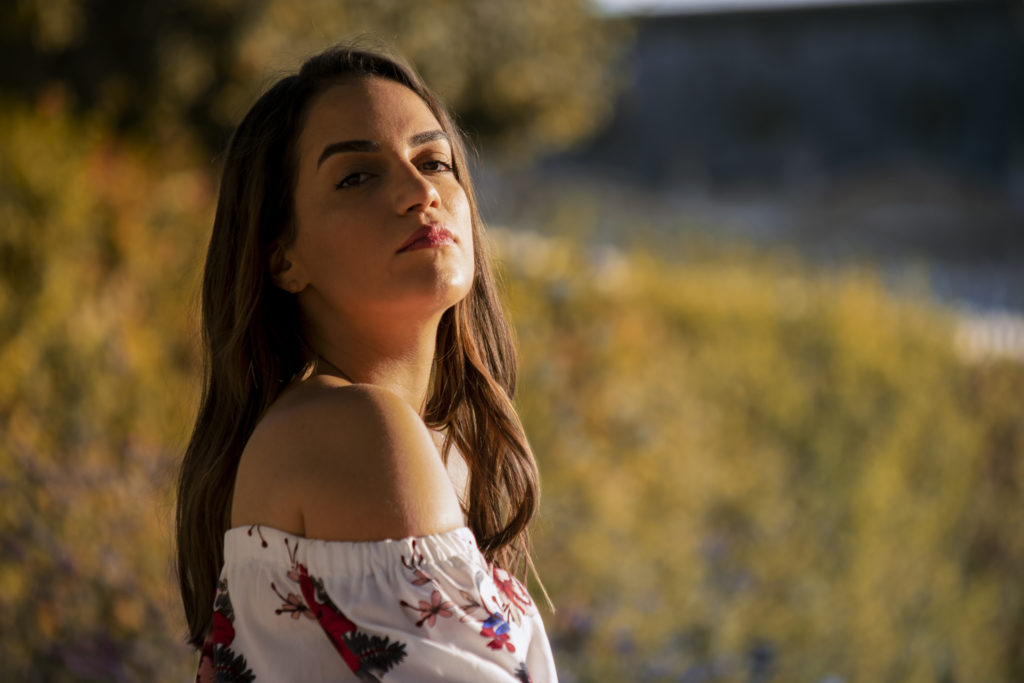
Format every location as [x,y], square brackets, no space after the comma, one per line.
[253,346]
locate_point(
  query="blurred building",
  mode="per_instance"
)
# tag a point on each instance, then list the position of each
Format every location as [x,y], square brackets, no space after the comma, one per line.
[784,97]
[893,130]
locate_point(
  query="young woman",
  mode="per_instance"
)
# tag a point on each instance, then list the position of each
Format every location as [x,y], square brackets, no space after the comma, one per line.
[358,485]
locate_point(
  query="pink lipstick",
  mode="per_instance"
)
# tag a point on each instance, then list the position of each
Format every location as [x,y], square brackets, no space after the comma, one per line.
[428,236]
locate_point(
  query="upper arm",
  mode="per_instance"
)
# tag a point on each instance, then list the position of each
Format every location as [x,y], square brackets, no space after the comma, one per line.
[354,463]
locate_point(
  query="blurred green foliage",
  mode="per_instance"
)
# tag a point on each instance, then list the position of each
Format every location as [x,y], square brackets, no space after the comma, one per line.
[525,77]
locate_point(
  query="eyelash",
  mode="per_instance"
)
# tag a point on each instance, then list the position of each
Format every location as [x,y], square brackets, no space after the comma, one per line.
[448,168]
[344,182]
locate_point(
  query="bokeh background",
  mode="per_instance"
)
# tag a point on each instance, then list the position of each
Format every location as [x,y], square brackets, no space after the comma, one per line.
[765,262]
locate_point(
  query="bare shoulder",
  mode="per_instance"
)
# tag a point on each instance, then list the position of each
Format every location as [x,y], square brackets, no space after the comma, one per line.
[344,462]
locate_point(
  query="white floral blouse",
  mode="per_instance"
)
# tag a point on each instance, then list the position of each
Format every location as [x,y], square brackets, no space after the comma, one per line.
[418,609]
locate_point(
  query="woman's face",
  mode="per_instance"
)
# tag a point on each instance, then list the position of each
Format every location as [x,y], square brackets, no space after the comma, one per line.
[383,226]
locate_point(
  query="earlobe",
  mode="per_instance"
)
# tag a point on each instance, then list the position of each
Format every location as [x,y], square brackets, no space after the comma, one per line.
[289,284]
[285,274]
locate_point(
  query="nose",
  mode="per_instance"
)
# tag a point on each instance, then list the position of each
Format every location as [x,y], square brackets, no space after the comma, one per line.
[414,191]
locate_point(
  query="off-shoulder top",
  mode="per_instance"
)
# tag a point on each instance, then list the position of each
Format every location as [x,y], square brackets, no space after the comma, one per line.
[429,608]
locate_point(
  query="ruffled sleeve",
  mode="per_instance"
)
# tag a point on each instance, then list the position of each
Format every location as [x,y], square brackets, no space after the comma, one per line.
[418,609]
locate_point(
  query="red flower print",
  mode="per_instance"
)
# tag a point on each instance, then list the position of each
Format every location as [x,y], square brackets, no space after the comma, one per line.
[421,578]
[513,590]
[293,605]
[432,610]
[206,673]
[414,560]
[223,630]
[497,629]
[218,661]
[368,656]
[332,621]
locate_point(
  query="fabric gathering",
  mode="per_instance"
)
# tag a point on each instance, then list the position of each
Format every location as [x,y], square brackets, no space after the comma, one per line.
[427,608]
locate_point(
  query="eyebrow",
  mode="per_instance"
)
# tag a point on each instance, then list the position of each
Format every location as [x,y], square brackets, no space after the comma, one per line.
[370,146]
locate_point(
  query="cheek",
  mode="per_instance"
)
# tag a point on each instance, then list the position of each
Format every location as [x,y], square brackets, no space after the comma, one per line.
[458,207]
[464,218]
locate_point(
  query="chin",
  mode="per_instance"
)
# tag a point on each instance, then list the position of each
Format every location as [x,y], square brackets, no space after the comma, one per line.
[455,288]
[440,289]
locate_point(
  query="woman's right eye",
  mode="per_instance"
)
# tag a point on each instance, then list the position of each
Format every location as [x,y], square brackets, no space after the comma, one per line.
[352,180]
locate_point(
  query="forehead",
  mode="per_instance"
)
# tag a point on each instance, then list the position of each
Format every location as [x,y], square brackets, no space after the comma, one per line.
[375,109]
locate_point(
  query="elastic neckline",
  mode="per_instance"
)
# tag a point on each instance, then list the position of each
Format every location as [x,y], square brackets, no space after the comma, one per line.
[263,544]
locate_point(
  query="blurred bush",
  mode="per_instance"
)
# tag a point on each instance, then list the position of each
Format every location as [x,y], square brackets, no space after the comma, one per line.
[100,246]
[753,471]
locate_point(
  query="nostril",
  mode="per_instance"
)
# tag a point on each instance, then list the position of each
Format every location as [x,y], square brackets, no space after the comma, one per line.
[418,194]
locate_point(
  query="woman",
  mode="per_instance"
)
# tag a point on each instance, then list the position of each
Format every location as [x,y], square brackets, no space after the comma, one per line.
[357,478]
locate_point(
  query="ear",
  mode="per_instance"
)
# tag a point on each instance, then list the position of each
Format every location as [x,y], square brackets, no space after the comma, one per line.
[285,270]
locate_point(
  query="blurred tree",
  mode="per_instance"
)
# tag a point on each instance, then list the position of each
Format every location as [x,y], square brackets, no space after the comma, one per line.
[526,77]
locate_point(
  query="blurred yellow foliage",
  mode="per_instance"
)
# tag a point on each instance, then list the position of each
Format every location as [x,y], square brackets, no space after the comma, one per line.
[755,470]
[752,470]
[100,247]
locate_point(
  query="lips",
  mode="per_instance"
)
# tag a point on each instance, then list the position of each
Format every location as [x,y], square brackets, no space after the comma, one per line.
[428,236]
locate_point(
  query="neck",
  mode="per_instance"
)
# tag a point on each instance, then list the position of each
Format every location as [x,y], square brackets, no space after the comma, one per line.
[398,357]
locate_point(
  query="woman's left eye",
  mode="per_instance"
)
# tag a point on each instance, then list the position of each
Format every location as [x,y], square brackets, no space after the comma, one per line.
[436,166]
[353,180]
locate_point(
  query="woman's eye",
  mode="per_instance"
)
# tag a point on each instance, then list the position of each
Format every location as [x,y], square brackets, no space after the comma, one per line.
[437,166]
[353,179]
